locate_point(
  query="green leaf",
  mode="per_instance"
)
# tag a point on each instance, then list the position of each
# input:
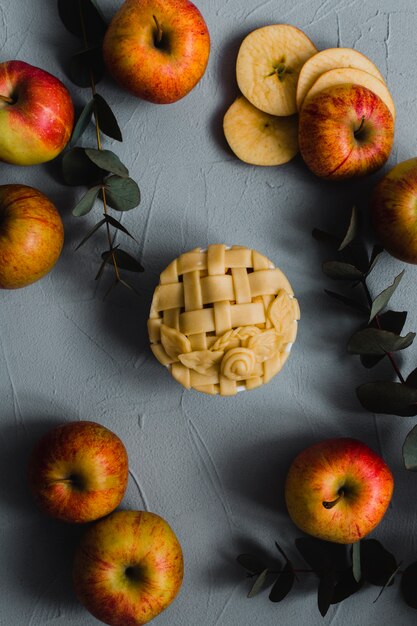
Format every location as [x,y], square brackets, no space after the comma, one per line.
[412,379]
[388,398]
[86,203]
[346,586]
[409,585]
[341,271]
[85,66]
[119,226]
[322,556]
[348,301]
[325,592]
[124,260]
[375,256]
[376,342]
[369,361]
[251,563]
[258,584]
[356,561]
[393,321]
[377,563]
[83,122]
[283,584]
[122,194]
[95,24]
[77,169]
[389,582]
[352,230]
[90,233]
[410,450]
[384,297]
[106,119]
[108,161]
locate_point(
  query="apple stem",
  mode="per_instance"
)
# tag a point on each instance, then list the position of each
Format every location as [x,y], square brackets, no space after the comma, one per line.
[7,99]
[159,31]
[330,505]
[358,130]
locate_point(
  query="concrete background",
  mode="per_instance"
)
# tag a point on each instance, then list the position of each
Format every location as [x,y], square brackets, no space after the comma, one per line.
[213,467]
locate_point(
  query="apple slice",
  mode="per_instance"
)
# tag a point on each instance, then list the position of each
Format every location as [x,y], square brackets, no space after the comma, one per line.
[268,63]
[331,59]
[344,75]
[259,138]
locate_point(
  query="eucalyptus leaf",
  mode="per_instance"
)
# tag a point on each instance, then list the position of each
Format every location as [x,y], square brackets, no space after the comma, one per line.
[377,251]
[384,297]
[341,271]
[410,450]
[393,321]
[373,341]
[322,556]
[377,563]
[348,301]
[388,398]
[82,122]
[356,561]
[258,584]
[352,230]
[95,24]
[122,194]
[389,582]
[283,584]
[119,226]
[325,237]
[87,66]
[412,379]
[409,585]
[126,284]
[77,169]
[90,233]
[86,203]
[108,161]
[325,591]
[370,361]
[346,586]
[106,119]
[251,563]
[124,260]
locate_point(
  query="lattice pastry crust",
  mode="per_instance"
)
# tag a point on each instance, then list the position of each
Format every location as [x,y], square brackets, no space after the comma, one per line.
[223,319]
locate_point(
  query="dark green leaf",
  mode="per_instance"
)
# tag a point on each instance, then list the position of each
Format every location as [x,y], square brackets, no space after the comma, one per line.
[356,561]
[95,25]
[324,237]
[83,122]
[389,582]
[325,592]
[119,226]
[410,450]
[252,563]
[124,260]
[409,585]
[352,230]
[86,203]
[384,297]
[341,271]
[389,398]
[258,584]
[91,232]
[86,66]
[377,563]
[122,194]
[129,286]
[106,119]
[393,321]
[348,301]
[375,256]
[113,286]
[412,379]
[77,169]
[369,361]
[346,586]
[322,556]
[283,584]
[108,161]
[378,342]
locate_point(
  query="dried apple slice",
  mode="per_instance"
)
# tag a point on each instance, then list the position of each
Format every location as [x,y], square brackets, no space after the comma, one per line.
[331,59]
[259,138]
[268,63]
[346,75]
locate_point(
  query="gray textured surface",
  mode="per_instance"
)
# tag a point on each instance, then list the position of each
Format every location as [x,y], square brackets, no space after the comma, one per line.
[214,468]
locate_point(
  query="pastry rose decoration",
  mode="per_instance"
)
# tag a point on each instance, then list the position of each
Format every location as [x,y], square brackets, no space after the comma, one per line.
[238,363]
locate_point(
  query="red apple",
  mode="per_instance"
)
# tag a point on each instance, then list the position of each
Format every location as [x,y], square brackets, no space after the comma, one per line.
[345,130]
[394,215]
[31,235]
[128,568]
[157,49]
[78,472]
[36,114]
[338,490]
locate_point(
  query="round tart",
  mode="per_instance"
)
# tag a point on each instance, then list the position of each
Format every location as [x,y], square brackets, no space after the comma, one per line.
[223,319]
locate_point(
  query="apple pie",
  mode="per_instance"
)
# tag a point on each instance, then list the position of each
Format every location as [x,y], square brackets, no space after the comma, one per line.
[223,319]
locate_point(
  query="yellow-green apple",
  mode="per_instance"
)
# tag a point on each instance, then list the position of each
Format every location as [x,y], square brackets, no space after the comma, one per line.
[338,490]
[157,49]
[344,131]
[36,114]
[78,471]
[128,568]
[394,213]
[31,235]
